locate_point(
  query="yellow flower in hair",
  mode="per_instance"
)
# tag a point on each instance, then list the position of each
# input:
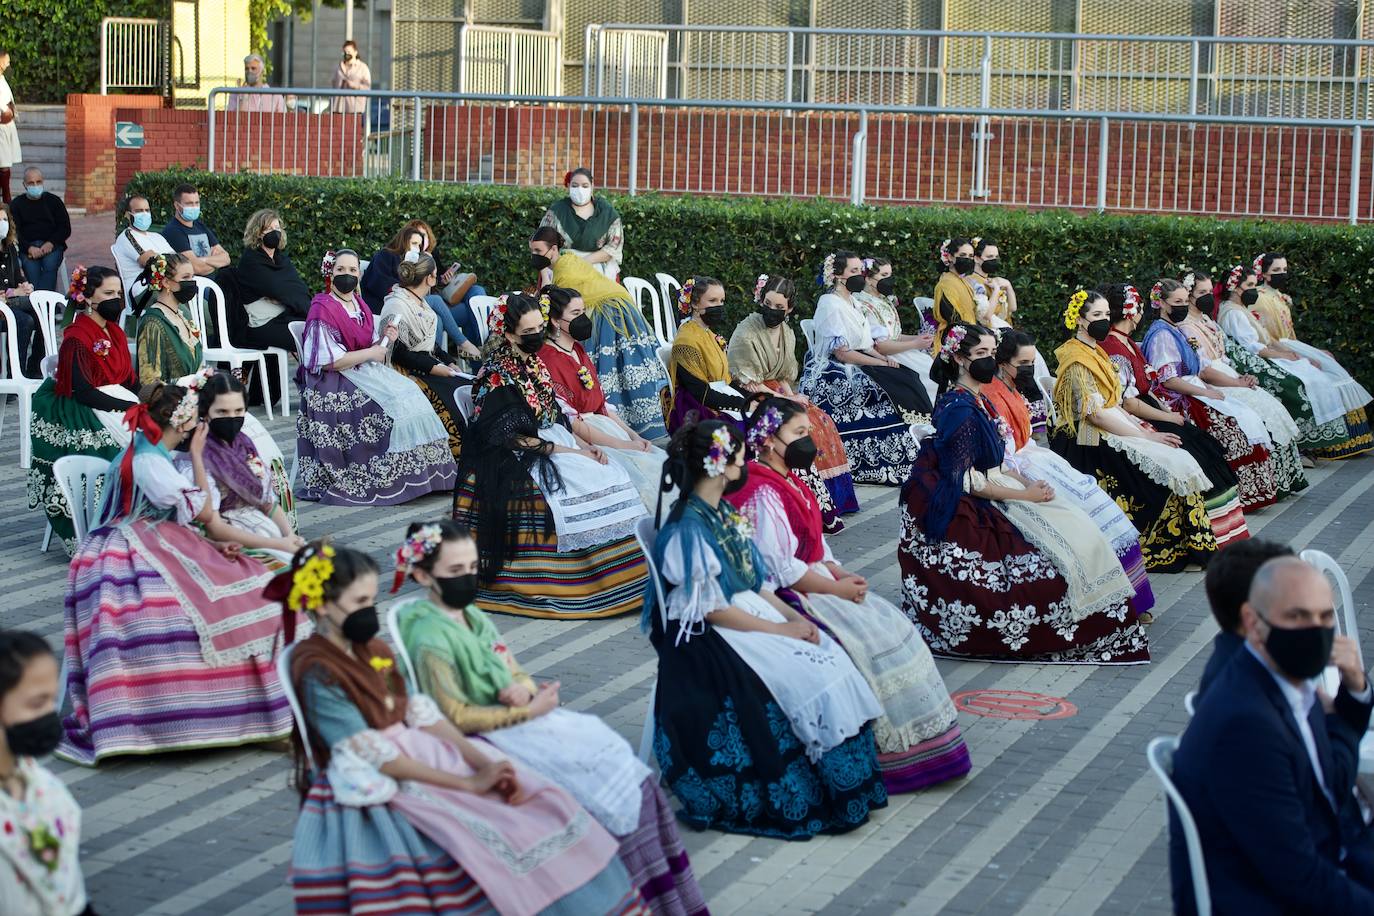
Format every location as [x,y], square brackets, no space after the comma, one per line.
[1075,309]
[380,664]
[307,585]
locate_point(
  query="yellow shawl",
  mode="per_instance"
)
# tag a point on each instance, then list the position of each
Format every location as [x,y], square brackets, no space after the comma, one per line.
[955,290]
[1272,310]
[596,289]
[695,350]
[1099,367]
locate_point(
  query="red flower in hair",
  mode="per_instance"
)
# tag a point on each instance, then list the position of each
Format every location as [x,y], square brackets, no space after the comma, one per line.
[567,178]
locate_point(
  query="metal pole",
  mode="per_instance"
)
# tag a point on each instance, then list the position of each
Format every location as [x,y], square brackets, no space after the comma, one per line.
[982,131]
[634,149]
[1193,78]
[788,95]
[463,57]
[587,59]
[1356,141]
[415,144]
[348,19]
[314,42]
[856,171]
[1102,165]
[104,56]
[210,105]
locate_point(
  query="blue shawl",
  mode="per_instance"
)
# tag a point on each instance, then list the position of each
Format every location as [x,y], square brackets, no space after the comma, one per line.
[139,507]
[1191,365]
[965,439]
[693,520]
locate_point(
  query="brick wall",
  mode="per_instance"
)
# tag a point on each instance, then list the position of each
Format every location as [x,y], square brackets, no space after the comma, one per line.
[90,146]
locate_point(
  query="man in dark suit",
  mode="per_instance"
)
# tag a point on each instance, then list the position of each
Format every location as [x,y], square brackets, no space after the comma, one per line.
[1228,579]
[1267,773]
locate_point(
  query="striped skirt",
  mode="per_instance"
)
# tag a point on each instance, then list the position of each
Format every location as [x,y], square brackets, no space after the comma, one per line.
[138,679]
[539,581]
[657,861]
[1358,441]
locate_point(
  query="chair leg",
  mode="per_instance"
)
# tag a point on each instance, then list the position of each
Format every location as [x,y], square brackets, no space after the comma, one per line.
[47,536]
[25,428]
[285,402]
[646,740]
[261,362]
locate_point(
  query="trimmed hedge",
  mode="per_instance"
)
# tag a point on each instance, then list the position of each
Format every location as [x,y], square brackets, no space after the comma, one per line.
[55,47]
[1046,255]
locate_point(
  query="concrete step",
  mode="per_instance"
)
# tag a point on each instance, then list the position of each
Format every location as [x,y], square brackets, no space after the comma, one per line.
[43,116]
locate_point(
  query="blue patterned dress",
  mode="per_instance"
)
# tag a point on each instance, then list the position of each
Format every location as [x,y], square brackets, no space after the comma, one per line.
[724,744]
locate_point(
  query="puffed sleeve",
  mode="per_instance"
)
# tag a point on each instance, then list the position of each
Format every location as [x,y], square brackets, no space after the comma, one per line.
[1163,353]
[774,537]
[830,330]
[340,724]
[322,346]
[421,711]
[691,601]
[1234,323]
[165,488]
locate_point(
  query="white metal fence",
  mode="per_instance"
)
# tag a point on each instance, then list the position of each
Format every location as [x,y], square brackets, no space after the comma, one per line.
[1174,74]
[1128,162]
[133,54]
[509,61]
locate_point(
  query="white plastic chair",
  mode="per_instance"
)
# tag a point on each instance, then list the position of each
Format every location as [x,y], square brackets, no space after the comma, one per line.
[1346,622]
[665,353]
[646,534]
[1190,702]
[808,329]
[463,397]
[282,357]
[47,307]
[393,635]
[80,479]
[1160,753]
[668,288]
[14,381]
[49,366]
[235,357]
[665,328]
[481,310]
[297,329]
[1046,384]
[284,676]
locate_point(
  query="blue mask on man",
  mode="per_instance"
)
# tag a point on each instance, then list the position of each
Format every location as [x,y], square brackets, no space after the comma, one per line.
[190,214]
[34,191]
[143,221]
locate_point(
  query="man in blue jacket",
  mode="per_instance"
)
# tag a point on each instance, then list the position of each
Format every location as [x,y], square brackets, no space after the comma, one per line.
[1228,579]
[1267,772]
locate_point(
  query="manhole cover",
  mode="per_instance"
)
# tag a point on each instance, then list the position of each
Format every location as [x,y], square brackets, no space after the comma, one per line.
[1013,704]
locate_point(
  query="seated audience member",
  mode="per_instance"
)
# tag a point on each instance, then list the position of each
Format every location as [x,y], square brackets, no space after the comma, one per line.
[44,228]
[138,244]
[190,237]
[1266,772]
[14,292]
[1228,584]
[451,296]
[274,295]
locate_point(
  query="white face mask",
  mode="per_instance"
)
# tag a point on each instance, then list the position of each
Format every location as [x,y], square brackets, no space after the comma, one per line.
[579,195]
[412,255]
[4,228]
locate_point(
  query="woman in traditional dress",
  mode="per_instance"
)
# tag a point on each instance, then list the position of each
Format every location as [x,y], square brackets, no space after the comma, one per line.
[1138,386]
[592,418]
[400,812]
[987,271]
[1016,361]
[996,565]
[554,519]
[169,342]
[761,720]
[1314,406]
[917,736]
[1247,442]
[366,435]
[872,398]
[954,291]
[622,345]
[589,225]
[699,360]
[879,306]
[1274,309]
[416,354]
[41,870]
[251,496]
[763,358]
[80,411]
[464,665]
[1158,483]
[168,639]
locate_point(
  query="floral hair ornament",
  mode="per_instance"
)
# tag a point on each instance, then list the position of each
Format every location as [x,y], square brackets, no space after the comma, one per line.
[1157,296]
[496,320]
[424,541]
[718,457]
[1189,281]
[1235,277]
[327,269]
[946,258]
[157,270]
[759,284]
[1075,309]
[826,279]
[684,296]
[1259,260]
[567,178]
[954,338]
[545,303]
[301,588]
[1130,305]
[763,427]
[76,290]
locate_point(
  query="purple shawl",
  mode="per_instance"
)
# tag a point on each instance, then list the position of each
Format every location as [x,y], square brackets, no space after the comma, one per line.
[228,465]
[355,335]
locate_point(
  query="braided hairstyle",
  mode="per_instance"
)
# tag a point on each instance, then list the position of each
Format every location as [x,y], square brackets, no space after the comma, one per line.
[786,408]
[216,385]
[449,531]
[85,281]
[687,453]
[944,372]
[162,398]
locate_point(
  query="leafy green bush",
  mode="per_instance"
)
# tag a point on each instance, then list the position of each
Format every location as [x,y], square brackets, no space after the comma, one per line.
[55,47]
[1046,255]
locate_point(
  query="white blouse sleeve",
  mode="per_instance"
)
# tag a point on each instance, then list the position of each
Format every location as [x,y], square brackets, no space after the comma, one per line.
[568,410]
[1234,323]
[690,602]
[165,488]
[774,537]
[827,556]
[830,331]
[371,745]
[421,711]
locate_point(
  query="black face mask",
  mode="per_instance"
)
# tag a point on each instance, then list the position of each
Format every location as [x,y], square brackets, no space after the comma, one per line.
[345,283]
[1177,313]
[1205,304]
[1303,652]
[963,266]
[992,267]
[1279,281]
[800,453]
[1025,375]
[185,292]
[532,342]
[271,239]
[110,309]
[1099,329]
[714,316]
[226,429]
[1249,297]
[362,625]
[580,328]
[856,283]
[36,737]
[772,317]
[885,286]
[983,369]
[734,486]
[539,261]
[457,591]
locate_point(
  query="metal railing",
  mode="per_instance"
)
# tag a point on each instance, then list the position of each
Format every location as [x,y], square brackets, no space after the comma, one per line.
[1178,74]
[133,54]
[509,61]
[1129,162]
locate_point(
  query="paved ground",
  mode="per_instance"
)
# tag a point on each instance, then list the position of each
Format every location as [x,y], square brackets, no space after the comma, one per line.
[1058,816]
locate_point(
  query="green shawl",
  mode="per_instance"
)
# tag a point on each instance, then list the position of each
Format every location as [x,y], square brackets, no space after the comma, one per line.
[589,234]
[482,672]
[162,350]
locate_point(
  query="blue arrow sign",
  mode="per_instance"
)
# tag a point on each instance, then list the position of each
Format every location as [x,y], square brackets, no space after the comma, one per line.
[128,135]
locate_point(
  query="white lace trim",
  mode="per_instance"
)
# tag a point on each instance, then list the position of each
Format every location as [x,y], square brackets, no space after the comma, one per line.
[1195,481]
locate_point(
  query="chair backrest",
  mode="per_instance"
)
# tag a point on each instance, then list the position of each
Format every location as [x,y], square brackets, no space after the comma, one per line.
[668,288]
[46,306]
[646,534]
[393,634]
[665,353]
[808,329]
[288,688]
[363,265]
[1190,702]
[221,313]
[297,329]
[1160,753]
[664,326]
[16,368]
[81,480]
[49,366]
[463,397]
[1346,622]
[1046,384]
[481,310]
[205,285]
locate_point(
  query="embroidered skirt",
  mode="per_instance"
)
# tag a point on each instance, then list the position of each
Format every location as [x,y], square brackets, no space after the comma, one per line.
[875,432]
[625,351]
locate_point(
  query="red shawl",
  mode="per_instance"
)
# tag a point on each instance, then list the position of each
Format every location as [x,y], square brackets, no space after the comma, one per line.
[1118,344]
[1011,406]
[803,512]
[568,384]
[101,353]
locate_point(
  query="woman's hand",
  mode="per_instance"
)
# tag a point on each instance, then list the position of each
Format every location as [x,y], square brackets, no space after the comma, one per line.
[546,700]
[799,398]
[1038,492]
[515,695]
[198,440]
[290,543]
[494,775]
[596,454]
[375,354]
[641,444]
[1249,381]
[925,341]
[230,550]
[469,350]
[390,332]
[801,629]
[851,589]
[1169,439]
[447,276]
[1217,393]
